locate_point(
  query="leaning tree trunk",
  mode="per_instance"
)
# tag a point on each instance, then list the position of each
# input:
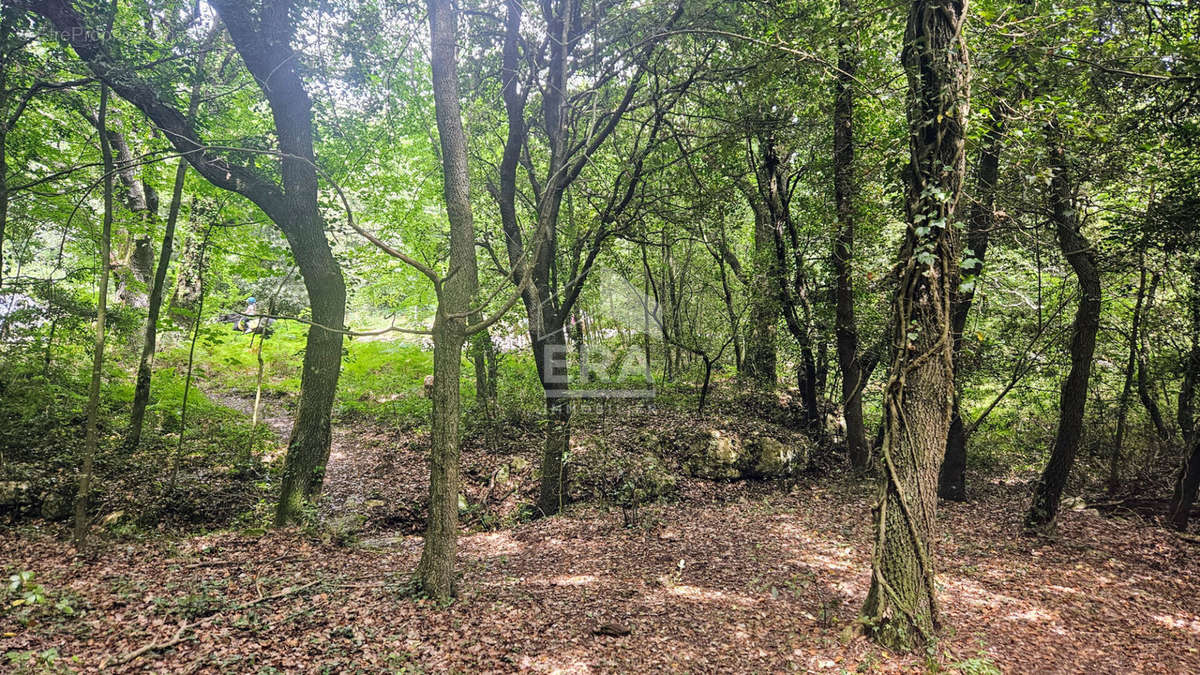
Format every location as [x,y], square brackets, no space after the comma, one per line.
[1078,252]
[844,191]
[435,572]
[141,389]
[952,482]
[901,609]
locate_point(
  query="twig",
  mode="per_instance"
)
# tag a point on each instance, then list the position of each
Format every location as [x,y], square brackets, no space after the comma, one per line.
[183,629]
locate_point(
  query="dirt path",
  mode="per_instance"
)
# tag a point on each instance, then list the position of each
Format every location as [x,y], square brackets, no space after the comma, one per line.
[271,411]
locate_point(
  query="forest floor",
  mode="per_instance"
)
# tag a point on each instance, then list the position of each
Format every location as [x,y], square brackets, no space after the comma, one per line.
[748,577]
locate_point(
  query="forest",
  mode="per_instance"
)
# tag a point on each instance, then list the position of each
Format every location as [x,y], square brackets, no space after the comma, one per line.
[599,336]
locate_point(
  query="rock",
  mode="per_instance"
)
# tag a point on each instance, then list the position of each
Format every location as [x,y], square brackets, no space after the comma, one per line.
[14,493]
[112,519]
[612,630]
[343,530]
[55,506]
[714,455]
[773,459]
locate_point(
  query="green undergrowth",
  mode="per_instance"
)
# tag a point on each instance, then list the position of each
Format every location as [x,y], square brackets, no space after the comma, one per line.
[160,484]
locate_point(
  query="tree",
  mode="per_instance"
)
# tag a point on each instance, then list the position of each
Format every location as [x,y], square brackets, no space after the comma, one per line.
[573,125]
[456,293]
[262,35]
[980,223]
[901,609]
[1078,252]
[844,191]
[82,520]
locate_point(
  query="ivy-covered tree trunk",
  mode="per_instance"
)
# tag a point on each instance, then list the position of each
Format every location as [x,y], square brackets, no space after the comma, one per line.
[901,609]
[189,270]
[760,358]
[1078,252]
[845,187]
[952,483]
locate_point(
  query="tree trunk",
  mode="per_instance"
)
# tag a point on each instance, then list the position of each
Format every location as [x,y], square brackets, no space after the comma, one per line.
[92,441]
[760,357]
[435,572]
[952,482]
[1114,464]
[901,609]
[845,189]
[1078,252]
[483,357]
[141,390]
[550,351]
[189,270]
[1143,377]
[1189,474]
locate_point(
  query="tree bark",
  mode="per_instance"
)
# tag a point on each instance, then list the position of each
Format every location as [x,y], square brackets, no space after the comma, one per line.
[760,358]
[845,189]
[1078,252]
[190,272]
[435,572]
[1143,377]
[952,482]
[901,609]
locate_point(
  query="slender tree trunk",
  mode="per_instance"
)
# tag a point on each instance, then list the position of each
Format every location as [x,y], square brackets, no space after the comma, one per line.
[901,609]
[952,482]
[1078,252]
[1143,377]
[82,521]
[141,391]
[791,297]
[187,376]
[844,191]
[6,33]
[1114,462]
[435,572]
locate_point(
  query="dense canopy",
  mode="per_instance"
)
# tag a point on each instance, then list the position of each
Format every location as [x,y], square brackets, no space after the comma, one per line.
[599,335]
